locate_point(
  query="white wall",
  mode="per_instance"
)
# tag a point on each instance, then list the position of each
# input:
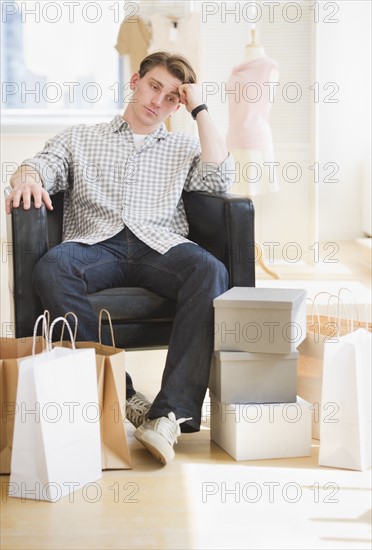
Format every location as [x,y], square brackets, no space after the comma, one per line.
[344,137]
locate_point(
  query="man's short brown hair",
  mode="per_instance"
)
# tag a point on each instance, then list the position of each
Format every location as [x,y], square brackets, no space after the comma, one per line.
[177,65]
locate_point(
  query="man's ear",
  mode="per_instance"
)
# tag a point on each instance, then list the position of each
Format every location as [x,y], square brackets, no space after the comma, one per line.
[134,81]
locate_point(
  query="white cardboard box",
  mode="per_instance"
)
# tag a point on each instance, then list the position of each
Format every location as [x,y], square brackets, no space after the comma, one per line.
[243,377]
[260,320]
[262,431]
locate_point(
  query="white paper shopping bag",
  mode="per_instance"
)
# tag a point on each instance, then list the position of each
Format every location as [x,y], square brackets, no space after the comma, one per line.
[56,443]
[340,319]
[345,434]
[111,381]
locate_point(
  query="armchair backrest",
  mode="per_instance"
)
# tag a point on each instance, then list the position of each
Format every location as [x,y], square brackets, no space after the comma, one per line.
[222,224]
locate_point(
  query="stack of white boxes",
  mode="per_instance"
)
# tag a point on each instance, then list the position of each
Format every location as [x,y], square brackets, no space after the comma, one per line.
[255,410]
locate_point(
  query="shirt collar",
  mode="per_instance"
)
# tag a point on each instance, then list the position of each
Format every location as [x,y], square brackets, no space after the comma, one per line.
[117,123]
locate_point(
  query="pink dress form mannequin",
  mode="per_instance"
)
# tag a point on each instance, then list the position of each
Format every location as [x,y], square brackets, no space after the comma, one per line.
[249,135]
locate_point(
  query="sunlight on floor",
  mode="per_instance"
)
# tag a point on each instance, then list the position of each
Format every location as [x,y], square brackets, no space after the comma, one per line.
[232,505]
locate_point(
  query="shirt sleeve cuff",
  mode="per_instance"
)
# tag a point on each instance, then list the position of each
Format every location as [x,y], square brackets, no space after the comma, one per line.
[206,168]
[225,170]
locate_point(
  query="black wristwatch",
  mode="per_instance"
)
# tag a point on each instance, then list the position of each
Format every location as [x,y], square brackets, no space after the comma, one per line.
[197,110]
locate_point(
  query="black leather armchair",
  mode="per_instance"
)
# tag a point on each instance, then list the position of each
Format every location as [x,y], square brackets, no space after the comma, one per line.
[221,223]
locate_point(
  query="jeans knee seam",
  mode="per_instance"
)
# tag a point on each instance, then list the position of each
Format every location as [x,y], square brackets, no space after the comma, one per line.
[84,269]
[164,270]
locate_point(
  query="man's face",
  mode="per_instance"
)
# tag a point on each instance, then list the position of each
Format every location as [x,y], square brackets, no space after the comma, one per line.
[155,96]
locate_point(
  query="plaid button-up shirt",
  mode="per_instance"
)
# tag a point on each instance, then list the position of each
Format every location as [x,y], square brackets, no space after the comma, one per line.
[110,184]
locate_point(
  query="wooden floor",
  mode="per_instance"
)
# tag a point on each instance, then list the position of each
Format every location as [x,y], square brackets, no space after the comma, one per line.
[204,499]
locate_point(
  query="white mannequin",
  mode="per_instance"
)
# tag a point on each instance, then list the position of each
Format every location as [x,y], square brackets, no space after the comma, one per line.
[253,50]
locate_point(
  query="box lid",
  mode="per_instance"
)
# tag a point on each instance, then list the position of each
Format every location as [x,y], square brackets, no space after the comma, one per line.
[260,298]
[248,356]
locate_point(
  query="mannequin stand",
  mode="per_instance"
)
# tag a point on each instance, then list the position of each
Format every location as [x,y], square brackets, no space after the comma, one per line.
[262,264]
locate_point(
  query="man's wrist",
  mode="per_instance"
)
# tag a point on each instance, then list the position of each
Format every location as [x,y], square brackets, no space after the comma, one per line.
[198,109]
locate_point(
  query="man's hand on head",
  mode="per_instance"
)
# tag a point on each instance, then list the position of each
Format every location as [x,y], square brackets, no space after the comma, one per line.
[190,96]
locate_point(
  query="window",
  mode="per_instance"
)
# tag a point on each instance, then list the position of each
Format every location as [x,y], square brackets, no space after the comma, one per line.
[61,55]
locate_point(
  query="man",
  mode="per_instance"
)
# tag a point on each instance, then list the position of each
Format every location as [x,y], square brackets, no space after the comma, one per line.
[125,224]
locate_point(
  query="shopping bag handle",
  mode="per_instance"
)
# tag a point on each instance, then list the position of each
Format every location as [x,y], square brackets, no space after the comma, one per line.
[313,325]
[100,327]
[47,318]
[45,327]
[50,336]
[338,313]
[327,325]
[337,317]
[345,289]
[75,328]
[314,305]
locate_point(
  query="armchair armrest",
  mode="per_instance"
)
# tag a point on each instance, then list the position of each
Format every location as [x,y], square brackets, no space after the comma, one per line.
[30,232]
[223,224]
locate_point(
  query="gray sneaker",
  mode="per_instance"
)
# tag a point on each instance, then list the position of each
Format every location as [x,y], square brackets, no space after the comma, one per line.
[136,409]
[159,436]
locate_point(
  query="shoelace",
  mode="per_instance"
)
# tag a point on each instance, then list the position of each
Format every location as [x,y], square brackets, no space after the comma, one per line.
[137,408]
[170,427]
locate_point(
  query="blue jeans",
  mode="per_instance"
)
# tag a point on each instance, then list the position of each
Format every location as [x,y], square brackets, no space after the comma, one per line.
[186,273]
